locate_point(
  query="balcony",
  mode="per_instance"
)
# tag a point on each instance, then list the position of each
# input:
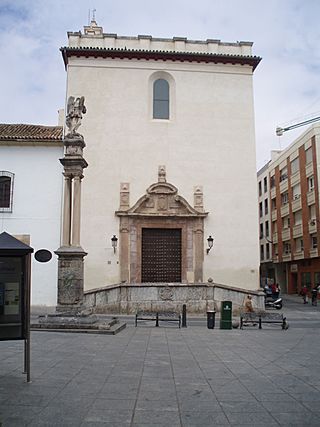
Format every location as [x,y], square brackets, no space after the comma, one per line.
[275,237]
[285,210]
[274,215]
[297,230]
[295,178]
[309,169]
[273,193]
[286,257]
[313,252]
[286,234]
[298,254]
[296,204]
[311,198]
[312,226]
[283,185]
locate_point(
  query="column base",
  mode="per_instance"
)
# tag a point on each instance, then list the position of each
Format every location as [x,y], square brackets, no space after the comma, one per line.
[70,278]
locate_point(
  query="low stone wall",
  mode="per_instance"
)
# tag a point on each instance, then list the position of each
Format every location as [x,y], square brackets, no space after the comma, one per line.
[199,298]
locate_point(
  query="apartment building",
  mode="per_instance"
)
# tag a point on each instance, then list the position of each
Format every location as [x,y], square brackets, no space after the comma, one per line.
[294,203]
[266,265]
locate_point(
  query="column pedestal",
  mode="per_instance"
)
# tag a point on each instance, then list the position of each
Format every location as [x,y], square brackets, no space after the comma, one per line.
[70,278]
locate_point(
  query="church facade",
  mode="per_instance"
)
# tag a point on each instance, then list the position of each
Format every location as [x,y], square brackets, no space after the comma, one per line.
[170,147]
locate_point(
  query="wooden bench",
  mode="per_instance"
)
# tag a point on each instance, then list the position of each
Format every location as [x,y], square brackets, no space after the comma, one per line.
[260,318]
[163,316]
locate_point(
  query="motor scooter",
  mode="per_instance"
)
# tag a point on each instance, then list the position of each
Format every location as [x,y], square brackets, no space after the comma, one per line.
[271,303]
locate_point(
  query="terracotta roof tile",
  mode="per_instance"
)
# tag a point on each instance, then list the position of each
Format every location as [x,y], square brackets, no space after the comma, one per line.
[30,132]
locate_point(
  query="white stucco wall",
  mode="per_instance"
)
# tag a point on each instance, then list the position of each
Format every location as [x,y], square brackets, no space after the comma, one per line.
[208,141]
[36,210]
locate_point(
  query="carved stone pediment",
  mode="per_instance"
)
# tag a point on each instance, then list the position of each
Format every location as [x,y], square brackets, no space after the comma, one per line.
[161,199]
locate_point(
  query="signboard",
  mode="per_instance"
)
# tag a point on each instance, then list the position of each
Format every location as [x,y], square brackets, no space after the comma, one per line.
[294,268]
[11,298]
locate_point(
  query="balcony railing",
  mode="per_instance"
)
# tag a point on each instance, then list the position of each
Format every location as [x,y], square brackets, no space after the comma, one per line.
[285,210]
[297,230]
[311,197]
[296,204]
[286,235]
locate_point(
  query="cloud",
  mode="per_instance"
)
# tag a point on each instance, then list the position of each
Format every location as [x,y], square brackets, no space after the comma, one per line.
[285,33]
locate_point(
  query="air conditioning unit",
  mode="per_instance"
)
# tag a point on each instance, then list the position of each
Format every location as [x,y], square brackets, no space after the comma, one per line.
[312,222]
[296,196]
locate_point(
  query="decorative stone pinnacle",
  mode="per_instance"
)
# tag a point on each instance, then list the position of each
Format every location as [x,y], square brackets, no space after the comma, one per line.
[162,174]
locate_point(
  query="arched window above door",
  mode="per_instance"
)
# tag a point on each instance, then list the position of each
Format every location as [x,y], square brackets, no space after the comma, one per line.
[161,99]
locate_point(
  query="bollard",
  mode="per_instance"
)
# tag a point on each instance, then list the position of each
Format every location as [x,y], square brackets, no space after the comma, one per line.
[184,316]
[211,319]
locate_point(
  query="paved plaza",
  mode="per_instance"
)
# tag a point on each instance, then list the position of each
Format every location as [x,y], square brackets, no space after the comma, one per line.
[167,376]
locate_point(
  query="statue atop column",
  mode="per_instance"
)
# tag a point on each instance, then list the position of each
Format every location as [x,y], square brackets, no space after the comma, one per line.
[75,109]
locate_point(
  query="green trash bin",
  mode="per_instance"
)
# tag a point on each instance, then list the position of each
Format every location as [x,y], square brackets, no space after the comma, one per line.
[226,315]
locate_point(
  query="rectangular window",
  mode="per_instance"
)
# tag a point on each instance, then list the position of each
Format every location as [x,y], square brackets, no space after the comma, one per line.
[272,181]
[274,227]
[261,252]
[267,228]
[265,184]
[295,165]
[299,245]
[298,218]
[312,212]
[286,222]
[287,248]
[260,188]
[267,251]
[314,242]
[261,231]
[283,174]
[309,155]
[311,183]
[296,192]
[275,249]
[266,207]
[284,198]
[274,204]
[6,191]
[260,209]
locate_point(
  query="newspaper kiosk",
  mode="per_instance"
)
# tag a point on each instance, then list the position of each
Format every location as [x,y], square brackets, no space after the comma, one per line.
[15,268]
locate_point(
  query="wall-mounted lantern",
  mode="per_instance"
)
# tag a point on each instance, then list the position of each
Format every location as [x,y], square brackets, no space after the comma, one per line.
[114,242]
[210,240]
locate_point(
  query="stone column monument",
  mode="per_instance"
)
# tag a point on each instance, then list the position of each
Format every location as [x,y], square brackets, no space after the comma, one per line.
[71,254]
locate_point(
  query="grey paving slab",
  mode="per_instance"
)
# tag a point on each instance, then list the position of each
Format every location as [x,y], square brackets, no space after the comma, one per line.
[166,376]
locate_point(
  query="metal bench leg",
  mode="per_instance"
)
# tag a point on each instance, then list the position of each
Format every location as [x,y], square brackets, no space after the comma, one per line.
[157,320]
[136,321]
[260,323]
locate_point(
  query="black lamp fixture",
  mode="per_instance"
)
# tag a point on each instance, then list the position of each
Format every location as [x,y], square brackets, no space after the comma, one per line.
[210,240]
[114,242]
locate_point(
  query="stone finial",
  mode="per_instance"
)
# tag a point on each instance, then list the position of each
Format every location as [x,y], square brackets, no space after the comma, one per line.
[162,174]
[75,109]
[198,198]
[124,195]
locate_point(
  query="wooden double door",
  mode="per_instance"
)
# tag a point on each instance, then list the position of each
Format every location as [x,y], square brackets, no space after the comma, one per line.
[161,254]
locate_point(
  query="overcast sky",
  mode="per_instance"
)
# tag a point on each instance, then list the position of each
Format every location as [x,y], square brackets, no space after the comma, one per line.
[285,33]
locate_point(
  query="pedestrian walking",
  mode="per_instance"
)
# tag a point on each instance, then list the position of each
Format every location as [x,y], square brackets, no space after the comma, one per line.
[304,294]
[277,291]
[248,308]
